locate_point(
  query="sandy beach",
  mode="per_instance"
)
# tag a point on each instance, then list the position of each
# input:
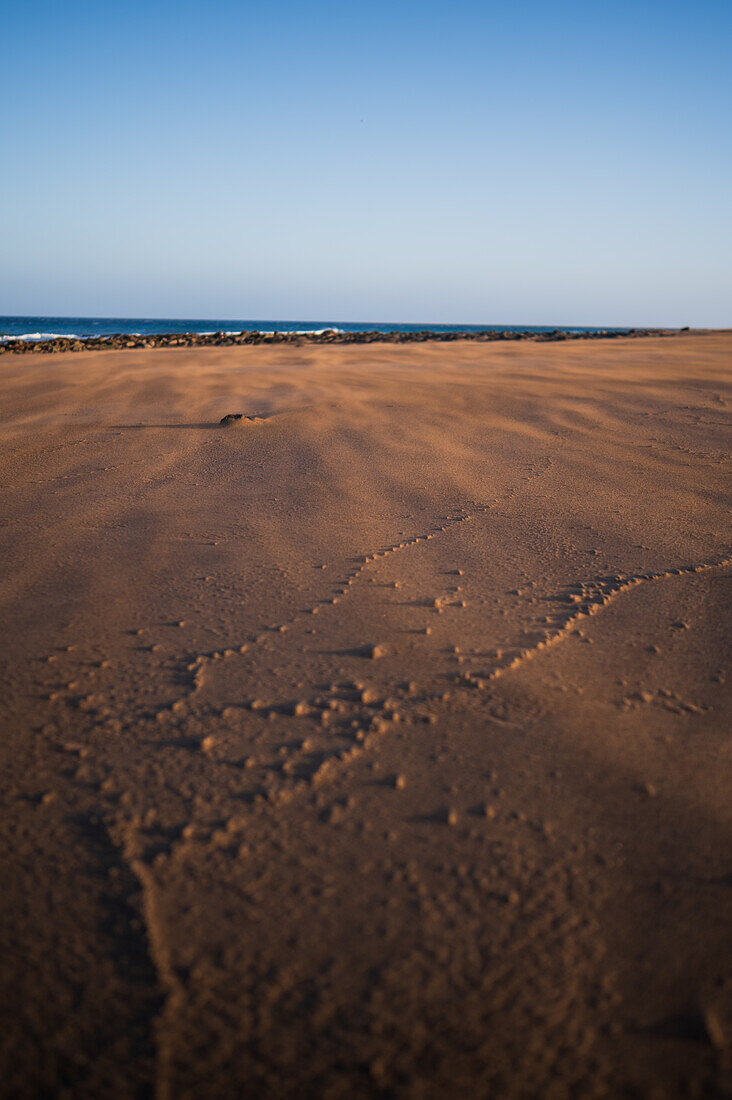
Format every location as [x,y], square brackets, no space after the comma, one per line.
[377,744]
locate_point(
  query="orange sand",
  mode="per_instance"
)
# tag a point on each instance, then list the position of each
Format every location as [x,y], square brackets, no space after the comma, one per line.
[374,747]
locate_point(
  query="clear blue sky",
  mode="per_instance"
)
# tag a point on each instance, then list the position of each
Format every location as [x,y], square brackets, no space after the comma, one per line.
[516,162]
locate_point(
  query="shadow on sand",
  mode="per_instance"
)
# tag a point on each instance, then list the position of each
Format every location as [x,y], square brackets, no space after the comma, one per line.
[196,426]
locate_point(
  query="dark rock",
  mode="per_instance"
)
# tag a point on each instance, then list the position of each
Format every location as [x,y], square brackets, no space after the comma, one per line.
[328,336]
[230,418]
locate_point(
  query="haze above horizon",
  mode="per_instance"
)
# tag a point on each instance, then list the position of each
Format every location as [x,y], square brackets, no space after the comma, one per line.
[441,162]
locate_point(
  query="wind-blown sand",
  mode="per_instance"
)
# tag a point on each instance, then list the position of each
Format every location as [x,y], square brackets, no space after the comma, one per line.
[375,746]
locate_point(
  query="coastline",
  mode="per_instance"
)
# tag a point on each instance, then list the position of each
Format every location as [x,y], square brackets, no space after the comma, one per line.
[325,336]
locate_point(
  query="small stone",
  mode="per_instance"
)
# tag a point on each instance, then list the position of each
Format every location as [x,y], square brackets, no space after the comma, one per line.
[230,418]
[400,782]
[451,817]
[714,1029]
[377,1069]
[375,651]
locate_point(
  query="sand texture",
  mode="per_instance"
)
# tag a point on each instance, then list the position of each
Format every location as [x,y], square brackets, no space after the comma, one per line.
[375,744]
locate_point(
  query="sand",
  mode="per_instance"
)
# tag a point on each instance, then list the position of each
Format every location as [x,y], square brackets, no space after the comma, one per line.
[376,745]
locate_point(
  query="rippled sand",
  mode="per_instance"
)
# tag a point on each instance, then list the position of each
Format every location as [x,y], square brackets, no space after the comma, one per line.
[376,745]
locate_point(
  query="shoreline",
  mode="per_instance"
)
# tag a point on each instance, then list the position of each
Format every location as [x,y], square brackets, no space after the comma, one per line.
[119,341]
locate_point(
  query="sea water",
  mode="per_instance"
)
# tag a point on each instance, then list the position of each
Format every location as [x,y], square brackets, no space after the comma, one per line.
[48,328]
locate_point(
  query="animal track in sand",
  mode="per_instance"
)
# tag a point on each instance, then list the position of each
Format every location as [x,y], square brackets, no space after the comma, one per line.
[458,515]
[588,599]
[347,725]
[192,670]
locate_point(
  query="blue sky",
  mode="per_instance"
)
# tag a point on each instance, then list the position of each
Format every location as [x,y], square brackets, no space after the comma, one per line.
[457,162]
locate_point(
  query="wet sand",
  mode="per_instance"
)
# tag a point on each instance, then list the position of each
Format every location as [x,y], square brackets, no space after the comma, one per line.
[376,746]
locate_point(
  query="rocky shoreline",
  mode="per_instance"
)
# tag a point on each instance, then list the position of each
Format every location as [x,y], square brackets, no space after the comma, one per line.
[328,336]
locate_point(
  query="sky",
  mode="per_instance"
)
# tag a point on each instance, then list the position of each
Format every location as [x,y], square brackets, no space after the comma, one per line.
[465,162]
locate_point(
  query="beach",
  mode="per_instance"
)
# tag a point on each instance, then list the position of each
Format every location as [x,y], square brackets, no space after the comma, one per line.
[375,744]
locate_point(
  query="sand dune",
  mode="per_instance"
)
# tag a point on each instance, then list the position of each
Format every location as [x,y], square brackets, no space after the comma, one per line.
[374,746]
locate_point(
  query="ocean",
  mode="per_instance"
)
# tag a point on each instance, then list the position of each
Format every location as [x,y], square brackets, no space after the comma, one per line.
[48,328]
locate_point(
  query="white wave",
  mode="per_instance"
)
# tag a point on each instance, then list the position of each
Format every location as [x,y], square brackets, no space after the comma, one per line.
[270,331]
[42,336]
[295,331]
[315,331]
[30,336]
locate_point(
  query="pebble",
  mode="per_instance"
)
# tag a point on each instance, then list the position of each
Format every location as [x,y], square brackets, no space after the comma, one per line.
[714,1029]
